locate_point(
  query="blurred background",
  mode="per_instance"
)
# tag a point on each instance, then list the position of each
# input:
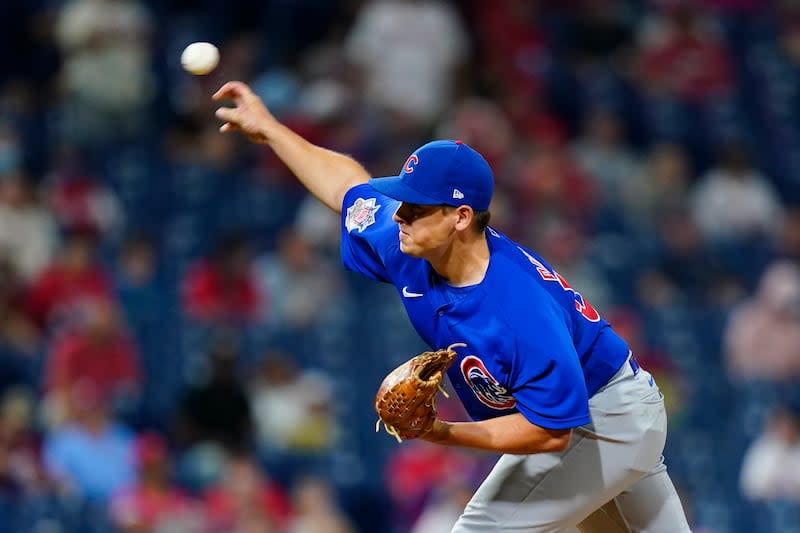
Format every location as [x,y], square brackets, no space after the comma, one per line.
[180,350]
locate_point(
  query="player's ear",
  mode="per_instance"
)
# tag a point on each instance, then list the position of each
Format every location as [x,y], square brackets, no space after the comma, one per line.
[465,216]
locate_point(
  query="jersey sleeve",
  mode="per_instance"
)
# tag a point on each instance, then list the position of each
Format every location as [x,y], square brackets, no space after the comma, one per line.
[369,235]
[545,375]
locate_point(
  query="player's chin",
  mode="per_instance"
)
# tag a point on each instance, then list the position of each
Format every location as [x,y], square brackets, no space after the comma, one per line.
[409,249]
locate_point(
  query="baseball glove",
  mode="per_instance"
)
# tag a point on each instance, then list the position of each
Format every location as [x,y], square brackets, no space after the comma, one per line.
[405,401]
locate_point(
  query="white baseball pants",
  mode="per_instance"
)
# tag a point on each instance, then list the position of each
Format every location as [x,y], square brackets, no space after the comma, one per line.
[610,479]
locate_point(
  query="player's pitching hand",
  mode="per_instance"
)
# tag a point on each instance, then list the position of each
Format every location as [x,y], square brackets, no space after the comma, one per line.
[249,115]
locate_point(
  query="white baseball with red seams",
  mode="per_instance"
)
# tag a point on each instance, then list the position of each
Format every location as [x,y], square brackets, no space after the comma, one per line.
[200,58]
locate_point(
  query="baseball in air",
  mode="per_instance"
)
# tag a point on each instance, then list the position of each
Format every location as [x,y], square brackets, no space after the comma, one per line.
[200,58]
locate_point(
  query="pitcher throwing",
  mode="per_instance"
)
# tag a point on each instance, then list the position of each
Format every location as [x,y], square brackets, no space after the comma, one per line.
[545,379]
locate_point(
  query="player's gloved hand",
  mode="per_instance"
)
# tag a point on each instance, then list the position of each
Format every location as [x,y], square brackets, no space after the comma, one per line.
[249,115]
[405,401]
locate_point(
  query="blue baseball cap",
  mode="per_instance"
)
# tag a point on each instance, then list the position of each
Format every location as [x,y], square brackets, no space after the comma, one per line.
[441,172]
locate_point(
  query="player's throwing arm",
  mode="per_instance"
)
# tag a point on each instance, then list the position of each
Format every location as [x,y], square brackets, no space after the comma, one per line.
[325,173]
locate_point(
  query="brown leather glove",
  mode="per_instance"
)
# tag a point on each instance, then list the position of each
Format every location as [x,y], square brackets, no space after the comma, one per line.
[405,401]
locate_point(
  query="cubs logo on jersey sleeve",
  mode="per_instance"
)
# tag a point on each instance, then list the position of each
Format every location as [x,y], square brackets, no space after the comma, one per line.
[361,214]
[486,388]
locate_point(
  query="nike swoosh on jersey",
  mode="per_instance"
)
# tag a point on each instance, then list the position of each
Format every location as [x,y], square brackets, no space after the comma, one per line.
[409,294]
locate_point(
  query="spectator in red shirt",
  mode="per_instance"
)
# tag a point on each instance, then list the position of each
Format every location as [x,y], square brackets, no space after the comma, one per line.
[685,58]
[511,44]
[74,277]
[99,352]
[79,200]
[415,471]
[222,287]
[153,503]
[246,500]
[547,183]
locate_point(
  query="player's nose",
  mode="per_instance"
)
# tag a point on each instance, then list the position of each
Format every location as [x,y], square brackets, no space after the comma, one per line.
[397,216]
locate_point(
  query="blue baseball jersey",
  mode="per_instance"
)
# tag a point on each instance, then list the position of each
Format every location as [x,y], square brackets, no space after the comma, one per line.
[533,344]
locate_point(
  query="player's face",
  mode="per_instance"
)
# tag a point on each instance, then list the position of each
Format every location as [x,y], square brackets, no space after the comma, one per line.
[424,228]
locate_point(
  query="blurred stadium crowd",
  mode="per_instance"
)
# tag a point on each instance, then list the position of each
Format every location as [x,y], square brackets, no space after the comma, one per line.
[181,352]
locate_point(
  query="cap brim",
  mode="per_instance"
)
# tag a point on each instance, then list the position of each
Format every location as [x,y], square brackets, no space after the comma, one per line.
[393,187]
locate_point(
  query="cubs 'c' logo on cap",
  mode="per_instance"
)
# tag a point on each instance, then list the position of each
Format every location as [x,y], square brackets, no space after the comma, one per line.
[484,385]
[361,214]
[411,162]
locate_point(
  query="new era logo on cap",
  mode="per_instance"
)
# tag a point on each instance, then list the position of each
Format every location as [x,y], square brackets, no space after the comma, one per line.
[442,173]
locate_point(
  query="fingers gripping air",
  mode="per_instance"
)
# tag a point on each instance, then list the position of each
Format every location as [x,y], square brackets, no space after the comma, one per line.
[406,400]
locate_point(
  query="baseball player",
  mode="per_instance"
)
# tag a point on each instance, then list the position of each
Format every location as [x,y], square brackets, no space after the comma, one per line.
[544,378]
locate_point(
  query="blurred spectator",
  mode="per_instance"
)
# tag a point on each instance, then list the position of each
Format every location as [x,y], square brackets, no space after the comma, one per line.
[444,506]
[73,278]
[222,288]
[291,408]
[682,56]
[481,123]
[682,254]
[154,503]
[734,201]
[27,495]
[79,200]
[327,100]
[772,463]
[27,229]
[548,184]
[246,501]
[512,45]
[762,337]
[19,444]
[20,339]
[299,283]
[92,456]
[662,183]
[408,52]
[147,307]
[531,117]
[601,33]
[99,351]
[135,280]
[603,154]
[414,472]
[106,74]
[316,509]
[319,227]
[656,292]
[216,410]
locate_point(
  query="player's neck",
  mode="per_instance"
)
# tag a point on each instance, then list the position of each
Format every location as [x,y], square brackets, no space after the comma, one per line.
[464,262]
